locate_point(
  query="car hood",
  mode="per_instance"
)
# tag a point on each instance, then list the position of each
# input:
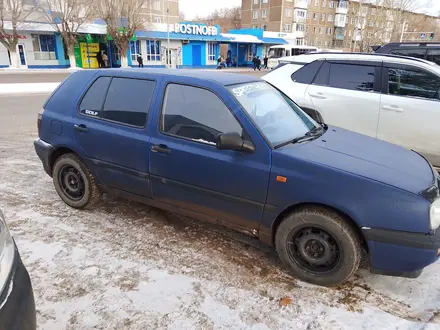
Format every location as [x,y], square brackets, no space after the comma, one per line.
[367,157]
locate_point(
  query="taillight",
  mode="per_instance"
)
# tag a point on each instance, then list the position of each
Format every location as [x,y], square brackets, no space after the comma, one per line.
[39,119]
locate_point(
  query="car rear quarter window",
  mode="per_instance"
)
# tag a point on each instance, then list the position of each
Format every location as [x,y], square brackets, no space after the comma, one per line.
[412,52]
[128,101]
[306,74]
[323,75]
[94,98]
[352,77]
[197,114]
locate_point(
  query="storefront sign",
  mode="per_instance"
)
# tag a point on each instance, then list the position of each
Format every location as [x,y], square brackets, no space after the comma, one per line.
[4,36]
[195,29]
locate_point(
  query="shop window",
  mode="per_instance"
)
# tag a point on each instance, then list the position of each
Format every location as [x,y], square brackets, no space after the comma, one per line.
[212,49]
[249,53]
[153,50]
[135,49]
[44,47]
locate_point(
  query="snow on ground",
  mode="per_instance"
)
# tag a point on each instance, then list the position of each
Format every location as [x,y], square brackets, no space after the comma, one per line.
[127,266]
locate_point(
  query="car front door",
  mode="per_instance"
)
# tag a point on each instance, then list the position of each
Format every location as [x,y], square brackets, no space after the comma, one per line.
[410,110]
[110,127]
[348,95]
[188,171]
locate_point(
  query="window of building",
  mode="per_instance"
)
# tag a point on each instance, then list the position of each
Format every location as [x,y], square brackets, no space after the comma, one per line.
[329,31]
[182,115]
[326,43]
[320,30]
[316,3]
[255,14]
[413,83]
[314,29]
[157,5]
[44,46]
[352,77]
[286,27]
[93,100]
[265,1]
[256,2]
[315,16]
[212,51]
[332,4]
[301,13]
[324,3]
[322,17]
[288,12]
[131,110]
[371,23]
[158,19]
[349,33]
[330,18]
[153,50]
[263,13]
[249,53]
[352,20]
[308,15]
[300,27]
[135,49]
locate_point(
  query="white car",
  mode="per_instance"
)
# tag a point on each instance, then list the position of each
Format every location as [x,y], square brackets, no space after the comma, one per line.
[393,98]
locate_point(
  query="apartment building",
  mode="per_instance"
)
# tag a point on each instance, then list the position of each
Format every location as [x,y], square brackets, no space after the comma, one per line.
[155,11]
[342,24]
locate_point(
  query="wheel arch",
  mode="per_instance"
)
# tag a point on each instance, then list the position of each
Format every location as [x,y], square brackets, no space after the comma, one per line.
[57,153]
[279,219]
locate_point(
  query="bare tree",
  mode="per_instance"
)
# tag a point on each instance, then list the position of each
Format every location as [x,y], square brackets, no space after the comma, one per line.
[67,17]
[123,18]
[12,13]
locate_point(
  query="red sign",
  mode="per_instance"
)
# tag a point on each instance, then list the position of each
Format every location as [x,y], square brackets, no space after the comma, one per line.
[4,36]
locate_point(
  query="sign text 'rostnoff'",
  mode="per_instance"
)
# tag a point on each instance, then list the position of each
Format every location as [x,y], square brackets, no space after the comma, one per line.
[195,29]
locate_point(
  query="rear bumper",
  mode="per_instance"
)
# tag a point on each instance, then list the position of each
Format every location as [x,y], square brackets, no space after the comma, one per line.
[17,311]
[403,254]
[44,150]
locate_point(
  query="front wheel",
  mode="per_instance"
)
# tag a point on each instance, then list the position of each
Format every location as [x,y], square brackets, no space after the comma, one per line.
[74,182]
[318,246]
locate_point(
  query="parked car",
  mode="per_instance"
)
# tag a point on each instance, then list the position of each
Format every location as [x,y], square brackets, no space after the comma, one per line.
[424,50]
[17,306]
[233,150]
[393,98]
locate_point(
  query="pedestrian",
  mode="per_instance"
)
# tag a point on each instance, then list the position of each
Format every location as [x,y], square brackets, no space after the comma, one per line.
[105,59]
[258,61]
[254,62]
[99,59]
[265,60]
[140,61]
[219,62]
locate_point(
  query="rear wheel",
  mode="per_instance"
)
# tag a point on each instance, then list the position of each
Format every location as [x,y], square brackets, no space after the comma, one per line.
[319,246]
[74,182]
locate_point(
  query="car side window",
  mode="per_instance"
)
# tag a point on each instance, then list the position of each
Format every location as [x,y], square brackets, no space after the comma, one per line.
[93,100]
[306,74]
[434,56]
[128,101]
[413,83]
[197,114]
[414,52]
[323,75]
[352,77]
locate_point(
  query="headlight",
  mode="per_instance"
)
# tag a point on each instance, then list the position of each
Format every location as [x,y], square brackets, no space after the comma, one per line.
[434,214]
[7,253]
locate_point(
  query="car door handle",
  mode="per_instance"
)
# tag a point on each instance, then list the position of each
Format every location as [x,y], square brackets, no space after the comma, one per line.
[161,148]
[392,108]
[81,128]
[318,96]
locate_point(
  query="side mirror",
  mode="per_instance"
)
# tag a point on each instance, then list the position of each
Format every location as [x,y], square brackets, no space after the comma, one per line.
[233,141]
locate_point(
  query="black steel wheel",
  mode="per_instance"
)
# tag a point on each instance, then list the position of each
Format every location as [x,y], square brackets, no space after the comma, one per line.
[74,182]
[318,245]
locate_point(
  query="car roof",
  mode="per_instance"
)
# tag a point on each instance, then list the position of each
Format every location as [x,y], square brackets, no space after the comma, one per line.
[374,57]
[222,78]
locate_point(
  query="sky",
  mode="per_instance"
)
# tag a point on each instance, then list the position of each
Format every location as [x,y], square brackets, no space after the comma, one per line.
[193,8]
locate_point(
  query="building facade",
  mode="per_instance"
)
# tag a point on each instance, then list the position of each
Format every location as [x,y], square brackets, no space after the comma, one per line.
[343,24]
[155,11]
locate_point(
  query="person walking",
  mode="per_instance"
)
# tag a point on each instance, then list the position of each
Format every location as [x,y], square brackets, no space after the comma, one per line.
[99,59]
[254,62]
[140,61]
[265,60]
[105,59]
[219,62]
[258,65]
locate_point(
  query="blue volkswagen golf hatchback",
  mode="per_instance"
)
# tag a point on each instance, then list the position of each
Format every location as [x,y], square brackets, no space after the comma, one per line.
[234,150]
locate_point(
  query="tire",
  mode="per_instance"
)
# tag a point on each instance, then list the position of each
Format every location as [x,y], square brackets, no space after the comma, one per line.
[90,194]
[295,243]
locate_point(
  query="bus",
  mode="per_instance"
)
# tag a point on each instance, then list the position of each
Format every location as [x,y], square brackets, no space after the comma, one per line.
[276,52]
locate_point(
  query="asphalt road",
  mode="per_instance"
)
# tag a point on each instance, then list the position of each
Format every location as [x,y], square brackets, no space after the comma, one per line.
[42,77]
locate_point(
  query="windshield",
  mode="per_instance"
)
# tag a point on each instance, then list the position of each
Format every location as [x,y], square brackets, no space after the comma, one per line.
[276,116]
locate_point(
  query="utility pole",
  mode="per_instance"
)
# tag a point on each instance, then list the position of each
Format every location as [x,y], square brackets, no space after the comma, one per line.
[403,31]
[167,57]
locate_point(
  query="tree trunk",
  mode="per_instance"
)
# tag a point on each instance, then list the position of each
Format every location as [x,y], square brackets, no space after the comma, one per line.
[124,61]
[71,53]
[14,58]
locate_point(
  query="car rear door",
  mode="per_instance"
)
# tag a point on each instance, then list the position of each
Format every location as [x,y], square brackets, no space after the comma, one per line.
[410,109]
[188,171]
[110,126]
[347,94]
